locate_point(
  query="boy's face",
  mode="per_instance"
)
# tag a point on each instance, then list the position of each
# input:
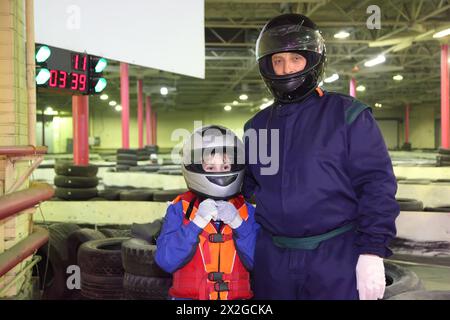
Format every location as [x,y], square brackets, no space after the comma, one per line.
[288,62]
[216,163]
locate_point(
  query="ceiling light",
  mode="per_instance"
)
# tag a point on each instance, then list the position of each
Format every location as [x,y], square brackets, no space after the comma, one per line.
[398,77]
[342,35]
[266,104]
[332,78]
[104,97]
[164,91]
[243,97]
[378,105]
[235,103]
[112,103]
[379,59]
[227,108]
[442,33]
[360,88]
[118,108]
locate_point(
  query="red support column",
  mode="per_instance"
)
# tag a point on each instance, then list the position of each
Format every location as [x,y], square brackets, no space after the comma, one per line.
[148,114]
[125,102]
[80,116]
[154,128]
[353,87]
[140,114]
[445,111]
[407,110]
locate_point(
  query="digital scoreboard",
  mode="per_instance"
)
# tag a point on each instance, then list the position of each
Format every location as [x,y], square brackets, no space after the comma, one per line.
[78,73]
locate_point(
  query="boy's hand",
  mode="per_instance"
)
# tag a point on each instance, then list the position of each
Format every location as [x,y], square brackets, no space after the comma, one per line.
[207,210]
[370,277]
[229,214]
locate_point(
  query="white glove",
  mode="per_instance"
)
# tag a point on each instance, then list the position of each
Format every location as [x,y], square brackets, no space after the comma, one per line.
[207,210]
[229,214]
[370,278]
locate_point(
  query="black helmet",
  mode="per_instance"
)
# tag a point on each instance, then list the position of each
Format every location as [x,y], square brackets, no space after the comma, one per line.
[291,33]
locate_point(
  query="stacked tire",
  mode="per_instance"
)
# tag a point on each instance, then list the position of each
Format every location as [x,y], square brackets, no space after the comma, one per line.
[143,279]
[128,158]
[102,274]
[443,158]
[75,182]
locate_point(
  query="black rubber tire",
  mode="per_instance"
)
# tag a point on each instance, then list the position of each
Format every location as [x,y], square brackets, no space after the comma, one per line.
[147,231]
[127,151]
[400,178]
[138,258]
[68,169]
[56,253]
[399,280]
[75,194]
[175,173]
[146,288]
[151,169]
[136,195]
[444,151]
[75,182]
[167,195]
[116,233]
[101,257]
[410,204]
[130,163]
[437,209]
[136,169]
[110,194]
[97,287]
[77,238]
[126,157]
[422,295]
[96,199]
[121,168]
[415,181]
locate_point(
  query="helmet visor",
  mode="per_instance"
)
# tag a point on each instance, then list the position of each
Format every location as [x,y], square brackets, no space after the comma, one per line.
[289,38]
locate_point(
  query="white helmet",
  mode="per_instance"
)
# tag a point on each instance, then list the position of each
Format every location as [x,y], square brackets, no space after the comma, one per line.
[207,141]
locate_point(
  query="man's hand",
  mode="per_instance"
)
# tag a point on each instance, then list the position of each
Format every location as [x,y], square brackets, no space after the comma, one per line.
[229,214]
[370,278]
[207,210]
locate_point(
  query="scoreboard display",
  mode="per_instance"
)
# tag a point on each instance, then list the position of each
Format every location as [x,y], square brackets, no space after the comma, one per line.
[79,73]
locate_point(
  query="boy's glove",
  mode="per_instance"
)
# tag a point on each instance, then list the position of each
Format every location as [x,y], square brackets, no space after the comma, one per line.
[370,279]
[229,214]
[207,210]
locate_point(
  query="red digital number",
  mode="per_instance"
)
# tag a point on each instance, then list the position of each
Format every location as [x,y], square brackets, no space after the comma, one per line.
[75,63]
[53,78]
[62,79]
[84,63]
[82,81]
[74,81]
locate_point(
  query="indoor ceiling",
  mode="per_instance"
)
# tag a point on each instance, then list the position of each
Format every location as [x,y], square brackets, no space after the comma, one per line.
[231,30]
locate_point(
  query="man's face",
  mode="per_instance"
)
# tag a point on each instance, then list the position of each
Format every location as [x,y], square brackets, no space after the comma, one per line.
[287,62]
[217,163]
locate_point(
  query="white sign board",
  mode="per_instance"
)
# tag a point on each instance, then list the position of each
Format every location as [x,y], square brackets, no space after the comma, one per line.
[161,34]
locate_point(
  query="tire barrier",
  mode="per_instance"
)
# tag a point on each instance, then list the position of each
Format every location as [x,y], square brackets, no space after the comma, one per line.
[409,204]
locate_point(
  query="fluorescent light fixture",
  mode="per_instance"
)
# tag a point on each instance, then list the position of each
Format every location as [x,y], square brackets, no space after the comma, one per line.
[266,104]
[243,97]
[49,111]
[379,59]
[442,33]
[104,97]
[332,78]
[342,35]
[361,88]
[112,103]
[227,108]
[378,105]
[235,103]
[398,77]
[164,91]
[118,108]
